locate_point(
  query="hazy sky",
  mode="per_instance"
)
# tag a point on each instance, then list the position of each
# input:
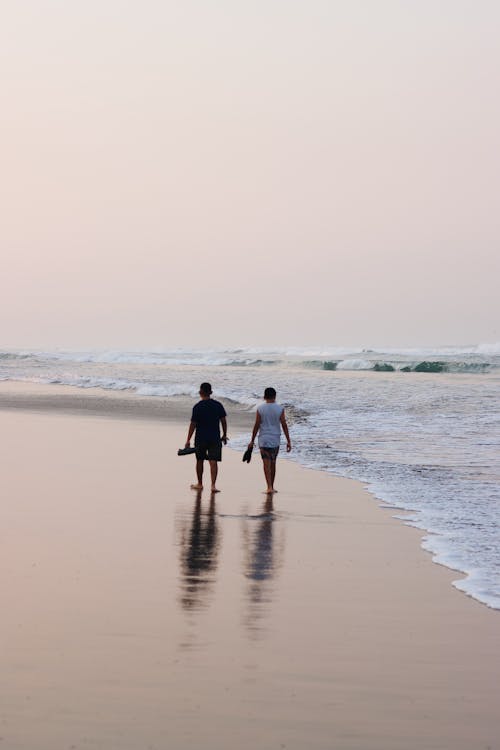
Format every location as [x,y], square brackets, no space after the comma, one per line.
[227,172]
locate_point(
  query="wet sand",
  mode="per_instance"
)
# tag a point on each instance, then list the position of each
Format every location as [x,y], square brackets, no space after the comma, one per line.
[137,614]
[63,399]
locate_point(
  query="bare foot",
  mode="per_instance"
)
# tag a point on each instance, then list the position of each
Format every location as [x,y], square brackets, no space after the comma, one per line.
[214,489]
[196,486]
[269,491]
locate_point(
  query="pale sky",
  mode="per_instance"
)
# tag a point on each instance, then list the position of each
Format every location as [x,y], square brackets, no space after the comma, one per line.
[227,172]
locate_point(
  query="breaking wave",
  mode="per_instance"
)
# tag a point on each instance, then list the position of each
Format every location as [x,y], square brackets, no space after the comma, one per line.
[429,366]
[476,359]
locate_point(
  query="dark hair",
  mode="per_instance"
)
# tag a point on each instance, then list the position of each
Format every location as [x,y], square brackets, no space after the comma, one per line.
[269,394]
[206,389]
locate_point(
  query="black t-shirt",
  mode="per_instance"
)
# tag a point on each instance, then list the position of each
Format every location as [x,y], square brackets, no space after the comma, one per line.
[207,414]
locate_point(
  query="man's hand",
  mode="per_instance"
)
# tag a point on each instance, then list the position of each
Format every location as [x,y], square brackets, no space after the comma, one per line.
[188,444]
[288,447]
[224,439]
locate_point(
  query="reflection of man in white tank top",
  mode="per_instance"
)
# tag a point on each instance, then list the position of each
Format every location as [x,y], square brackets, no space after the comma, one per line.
[269,421]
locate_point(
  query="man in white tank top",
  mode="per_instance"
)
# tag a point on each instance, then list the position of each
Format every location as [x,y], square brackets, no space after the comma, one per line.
[269,421]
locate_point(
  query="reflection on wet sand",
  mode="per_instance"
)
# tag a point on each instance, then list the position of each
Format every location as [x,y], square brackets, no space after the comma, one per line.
[262,556]
[199,543]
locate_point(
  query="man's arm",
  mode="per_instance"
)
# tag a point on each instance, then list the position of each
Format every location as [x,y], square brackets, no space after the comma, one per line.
[192,428]
[258,420]
[223,422]
[285,430]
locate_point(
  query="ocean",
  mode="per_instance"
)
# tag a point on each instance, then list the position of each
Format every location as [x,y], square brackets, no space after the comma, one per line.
[419,427]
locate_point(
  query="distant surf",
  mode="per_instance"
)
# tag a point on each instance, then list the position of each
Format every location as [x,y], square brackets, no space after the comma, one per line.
[481,358]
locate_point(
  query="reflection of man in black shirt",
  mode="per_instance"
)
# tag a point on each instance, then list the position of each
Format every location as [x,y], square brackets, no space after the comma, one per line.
[207,415]
[199,546]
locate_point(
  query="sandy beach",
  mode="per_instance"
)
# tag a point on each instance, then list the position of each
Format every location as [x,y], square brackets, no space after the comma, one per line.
[140,615]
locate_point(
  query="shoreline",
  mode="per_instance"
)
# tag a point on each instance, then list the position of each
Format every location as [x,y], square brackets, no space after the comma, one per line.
[136,612]
[126,405]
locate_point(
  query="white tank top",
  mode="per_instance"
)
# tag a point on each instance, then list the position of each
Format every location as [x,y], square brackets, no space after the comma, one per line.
[270,427]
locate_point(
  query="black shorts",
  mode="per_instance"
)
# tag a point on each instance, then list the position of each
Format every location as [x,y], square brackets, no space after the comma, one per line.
[209,451]
[269,454]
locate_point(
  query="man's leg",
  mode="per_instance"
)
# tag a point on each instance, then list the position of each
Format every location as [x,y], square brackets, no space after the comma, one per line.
[269,456]
[268,473]
[213,473]
[273,473]
[214,454]
[199,475]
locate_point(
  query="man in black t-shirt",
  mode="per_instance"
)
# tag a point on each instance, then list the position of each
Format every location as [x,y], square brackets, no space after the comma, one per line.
[205,420]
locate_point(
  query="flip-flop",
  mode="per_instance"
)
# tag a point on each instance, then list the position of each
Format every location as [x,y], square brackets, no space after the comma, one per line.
[247,456]
[185,451]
